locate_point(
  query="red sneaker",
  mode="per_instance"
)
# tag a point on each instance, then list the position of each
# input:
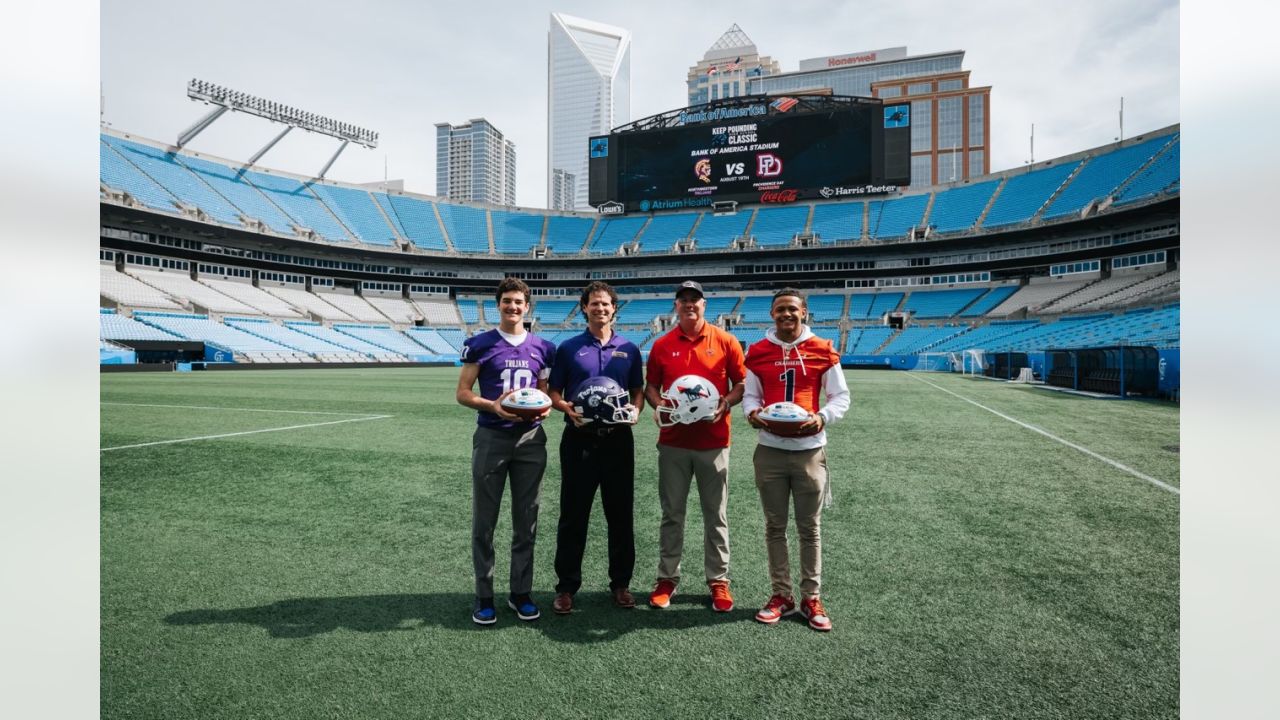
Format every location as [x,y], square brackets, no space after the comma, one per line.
[777,608]
[812,610]
[721,600]
[662,592]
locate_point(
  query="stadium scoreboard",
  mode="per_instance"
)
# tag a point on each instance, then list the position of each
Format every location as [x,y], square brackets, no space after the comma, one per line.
[752,150]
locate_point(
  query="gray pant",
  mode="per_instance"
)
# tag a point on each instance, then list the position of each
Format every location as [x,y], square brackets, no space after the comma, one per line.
[677,467]
[495,455]
[798,477]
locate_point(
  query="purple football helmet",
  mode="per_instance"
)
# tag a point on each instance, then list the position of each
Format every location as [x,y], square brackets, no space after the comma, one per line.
[601,399]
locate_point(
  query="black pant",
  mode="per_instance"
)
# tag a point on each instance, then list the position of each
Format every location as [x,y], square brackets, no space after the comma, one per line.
[588,461]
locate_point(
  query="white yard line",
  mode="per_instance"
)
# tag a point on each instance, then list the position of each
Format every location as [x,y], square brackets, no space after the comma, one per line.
[238,409]
[246,432]
[1055,438]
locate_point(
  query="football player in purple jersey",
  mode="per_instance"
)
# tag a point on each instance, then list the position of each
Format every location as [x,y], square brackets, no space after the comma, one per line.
[502,361]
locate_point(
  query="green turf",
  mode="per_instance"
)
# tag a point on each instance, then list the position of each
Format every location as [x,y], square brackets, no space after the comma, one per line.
[972,568]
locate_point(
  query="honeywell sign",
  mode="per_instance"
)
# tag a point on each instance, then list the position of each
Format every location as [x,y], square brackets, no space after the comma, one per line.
[859,58]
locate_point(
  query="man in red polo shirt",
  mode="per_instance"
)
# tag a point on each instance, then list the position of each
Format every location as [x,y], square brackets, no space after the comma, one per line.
[700,449]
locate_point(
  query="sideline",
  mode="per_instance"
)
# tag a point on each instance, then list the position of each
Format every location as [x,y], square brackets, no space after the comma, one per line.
[245,432]
[212,407]
[1055,438]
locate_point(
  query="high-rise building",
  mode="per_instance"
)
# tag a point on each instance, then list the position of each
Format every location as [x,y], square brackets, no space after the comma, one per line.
[950,121]
[725,67]
[588,93]
[475,162]
[562,189]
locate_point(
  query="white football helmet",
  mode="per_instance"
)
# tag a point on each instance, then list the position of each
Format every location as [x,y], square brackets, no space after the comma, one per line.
[690,399]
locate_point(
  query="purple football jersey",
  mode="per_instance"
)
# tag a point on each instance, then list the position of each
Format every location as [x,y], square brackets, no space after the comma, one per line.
[504,367]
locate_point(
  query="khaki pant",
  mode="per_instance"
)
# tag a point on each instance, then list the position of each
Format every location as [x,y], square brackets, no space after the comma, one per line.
[781,477]
[677,467]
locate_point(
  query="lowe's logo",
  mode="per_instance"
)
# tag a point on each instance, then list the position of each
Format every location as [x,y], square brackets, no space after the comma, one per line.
[613,207]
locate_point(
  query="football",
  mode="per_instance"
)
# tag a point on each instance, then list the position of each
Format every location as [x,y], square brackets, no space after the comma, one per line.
[785,419]
[528,403]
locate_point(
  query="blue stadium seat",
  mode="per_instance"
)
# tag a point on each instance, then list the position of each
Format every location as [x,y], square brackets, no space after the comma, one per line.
[358,211]
[176,179]
[718,232]
[777,226]
[835,222]
[116,172]
[1024,194]
[466,226]
[300,203]
[568,235]
[986,303]
[1161,175]
[417,219]
[893,219]
[940,303]
[1102,175]
[231,185]
[958,208]
[515,233]
[665,231]
[613,233]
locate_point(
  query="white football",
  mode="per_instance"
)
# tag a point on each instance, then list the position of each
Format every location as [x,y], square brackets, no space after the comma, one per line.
[528,403]
[785,419]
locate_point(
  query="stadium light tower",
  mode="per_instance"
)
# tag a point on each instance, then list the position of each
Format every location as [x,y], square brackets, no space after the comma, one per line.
[227,99]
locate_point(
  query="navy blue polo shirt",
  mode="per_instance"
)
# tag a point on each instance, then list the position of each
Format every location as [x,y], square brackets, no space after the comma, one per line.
[582,356]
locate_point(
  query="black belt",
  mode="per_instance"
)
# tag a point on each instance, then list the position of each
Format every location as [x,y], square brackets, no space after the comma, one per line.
[601,431]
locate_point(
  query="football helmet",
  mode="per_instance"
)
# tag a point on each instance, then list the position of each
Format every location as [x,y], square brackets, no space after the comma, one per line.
[601,399]
[690,399]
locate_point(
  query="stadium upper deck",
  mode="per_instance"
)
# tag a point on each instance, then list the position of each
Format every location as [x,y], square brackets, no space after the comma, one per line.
[143,174]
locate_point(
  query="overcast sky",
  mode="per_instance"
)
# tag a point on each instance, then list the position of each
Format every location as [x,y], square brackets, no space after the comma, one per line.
[399,67]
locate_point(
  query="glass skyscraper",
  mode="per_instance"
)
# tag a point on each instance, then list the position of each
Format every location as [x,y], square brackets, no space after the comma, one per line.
[475,162]
[588,93]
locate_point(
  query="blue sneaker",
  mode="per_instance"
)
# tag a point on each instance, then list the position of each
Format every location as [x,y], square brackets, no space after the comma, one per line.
[484,614]
[524,607]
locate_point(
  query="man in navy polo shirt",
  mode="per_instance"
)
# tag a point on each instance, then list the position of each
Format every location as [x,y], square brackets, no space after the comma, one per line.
[595,454]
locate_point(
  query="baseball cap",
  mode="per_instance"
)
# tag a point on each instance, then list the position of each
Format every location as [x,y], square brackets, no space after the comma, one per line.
[690,285]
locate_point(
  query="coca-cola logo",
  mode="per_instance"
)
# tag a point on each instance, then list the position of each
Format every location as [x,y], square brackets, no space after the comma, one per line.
[779,196]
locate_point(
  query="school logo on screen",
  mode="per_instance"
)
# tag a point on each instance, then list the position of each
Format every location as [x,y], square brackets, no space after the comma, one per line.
[768,165]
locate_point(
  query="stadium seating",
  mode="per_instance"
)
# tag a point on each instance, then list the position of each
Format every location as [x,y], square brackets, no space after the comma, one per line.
[516,233]
[116,172]
[1035,295]
[838,221]
[358,212]
[825,308]
[469,308]
[397,309]
[261,300]
[438,311]
[288,337]
[755,308]
[232,185]
[179,284]
[893,219]
[466,226]
[124,289]
[777,226]
[959,208]
[431,340]
[665,231]
[383,201]
[344,340]
[884,302]
[985,337]
[643,311]
[417,219]
[828,332]
[718,305]
[308,302]
[612,234]
[555,312]
[864,341]
[568,235]
[1024,194]
[301,204]
[749,335]
[1091,292]
[453,337]
[162,168]
[940,303]
[200,327]
[915,339]
[714,233]
[1101,175]
[383,336]
[984,304]
[492,316]
[112,326]
[354,306]
[1152,288]
[1160,176]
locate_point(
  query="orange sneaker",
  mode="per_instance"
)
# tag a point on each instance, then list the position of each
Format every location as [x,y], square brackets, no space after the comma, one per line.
[662,592]
[812,610]
[777,608]
[721,600]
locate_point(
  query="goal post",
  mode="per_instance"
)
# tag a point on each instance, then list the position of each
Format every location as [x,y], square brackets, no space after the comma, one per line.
[937,362]
[973,362]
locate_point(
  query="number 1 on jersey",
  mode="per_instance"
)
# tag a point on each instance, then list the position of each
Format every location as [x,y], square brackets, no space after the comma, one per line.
[788,376]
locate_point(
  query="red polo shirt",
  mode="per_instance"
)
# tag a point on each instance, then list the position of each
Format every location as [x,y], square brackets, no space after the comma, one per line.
[715,355]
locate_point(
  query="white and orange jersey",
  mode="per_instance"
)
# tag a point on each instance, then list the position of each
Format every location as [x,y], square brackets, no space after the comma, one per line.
[795,372]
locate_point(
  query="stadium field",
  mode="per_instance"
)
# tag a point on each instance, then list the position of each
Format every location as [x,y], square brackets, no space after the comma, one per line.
[295,544]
